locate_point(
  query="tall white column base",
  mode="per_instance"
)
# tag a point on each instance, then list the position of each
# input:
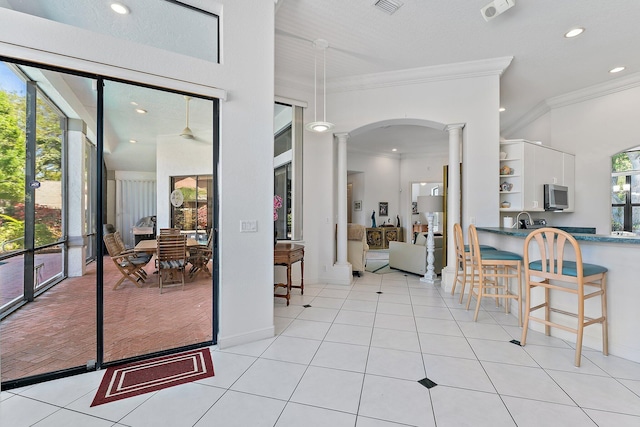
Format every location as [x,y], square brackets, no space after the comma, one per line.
[76,257]
[448,273]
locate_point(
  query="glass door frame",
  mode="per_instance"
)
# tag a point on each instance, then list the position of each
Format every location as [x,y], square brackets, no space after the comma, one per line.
[98,177]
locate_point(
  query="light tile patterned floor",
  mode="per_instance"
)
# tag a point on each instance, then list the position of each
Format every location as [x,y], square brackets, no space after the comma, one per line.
[353,359]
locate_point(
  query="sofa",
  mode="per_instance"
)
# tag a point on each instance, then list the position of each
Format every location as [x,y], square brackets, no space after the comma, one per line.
[357,247]
[412,257]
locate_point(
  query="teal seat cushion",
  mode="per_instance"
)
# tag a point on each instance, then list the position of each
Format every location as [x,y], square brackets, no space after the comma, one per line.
[569,268]
[482,248]
[500,256]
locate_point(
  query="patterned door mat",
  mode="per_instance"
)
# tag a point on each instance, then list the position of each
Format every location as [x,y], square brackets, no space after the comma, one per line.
[136,378]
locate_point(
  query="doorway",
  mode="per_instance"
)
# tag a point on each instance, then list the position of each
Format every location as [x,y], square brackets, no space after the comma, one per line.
[86,167]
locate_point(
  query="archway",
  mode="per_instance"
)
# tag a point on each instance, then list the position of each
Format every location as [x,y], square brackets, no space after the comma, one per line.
[452,135]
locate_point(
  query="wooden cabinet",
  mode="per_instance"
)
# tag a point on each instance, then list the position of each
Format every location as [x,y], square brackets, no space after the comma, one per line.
[525,169]
[379,237]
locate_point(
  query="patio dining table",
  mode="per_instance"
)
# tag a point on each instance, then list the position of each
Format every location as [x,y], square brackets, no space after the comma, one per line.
[151,246]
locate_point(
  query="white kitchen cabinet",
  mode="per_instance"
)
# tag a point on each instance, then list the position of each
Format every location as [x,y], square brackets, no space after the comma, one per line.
[524,171]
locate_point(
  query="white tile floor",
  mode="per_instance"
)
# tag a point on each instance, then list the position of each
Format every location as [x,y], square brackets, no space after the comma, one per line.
[354,359]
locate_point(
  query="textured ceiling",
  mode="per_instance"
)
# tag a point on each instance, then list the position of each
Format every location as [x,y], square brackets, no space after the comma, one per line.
[422,33]
[362,40]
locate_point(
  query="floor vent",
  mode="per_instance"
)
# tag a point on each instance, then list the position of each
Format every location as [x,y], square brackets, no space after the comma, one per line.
[388,6]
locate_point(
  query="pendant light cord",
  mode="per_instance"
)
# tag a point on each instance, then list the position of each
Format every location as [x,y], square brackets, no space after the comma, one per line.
[324,83]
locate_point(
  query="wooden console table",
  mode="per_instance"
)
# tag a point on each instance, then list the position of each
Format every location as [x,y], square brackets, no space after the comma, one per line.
[379,237]
[286,254]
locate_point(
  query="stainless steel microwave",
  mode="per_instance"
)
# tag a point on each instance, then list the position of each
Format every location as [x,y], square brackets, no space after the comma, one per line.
[556,197]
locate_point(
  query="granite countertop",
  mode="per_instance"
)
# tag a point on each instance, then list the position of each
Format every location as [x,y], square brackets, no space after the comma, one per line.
[580,233]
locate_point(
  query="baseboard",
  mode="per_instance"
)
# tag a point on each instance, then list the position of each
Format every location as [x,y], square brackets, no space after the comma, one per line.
[257,335]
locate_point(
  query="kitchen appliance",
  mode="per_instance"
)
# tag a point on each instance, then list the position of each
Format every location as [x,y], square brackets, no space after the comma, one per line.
[556,197]
[537,223]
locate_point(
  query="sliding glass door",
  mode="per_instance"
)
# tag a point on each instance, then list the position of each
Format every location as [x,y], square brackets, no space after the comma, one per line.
[159,179]
[47,299]
[77,154]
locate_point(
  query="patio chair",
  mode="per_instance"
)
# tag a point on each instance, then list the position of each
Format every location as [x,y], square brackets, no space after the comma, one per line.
[130,266]
[172,257]
[129,251]
[171,231]
[199,257]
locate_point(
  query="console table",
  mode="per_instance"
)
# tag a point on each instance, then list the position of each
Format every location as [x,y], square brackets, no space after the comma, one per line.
[379,237]
[287,254]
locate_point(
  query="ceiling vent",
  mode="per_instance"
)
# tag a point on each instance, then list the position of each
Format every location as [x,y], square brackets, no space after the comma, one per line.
[388,6]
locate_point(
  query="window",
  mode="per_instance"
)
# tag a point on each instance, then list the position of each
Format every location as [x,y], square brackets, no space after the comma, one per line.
[287,170]
[191,210]
[625,191]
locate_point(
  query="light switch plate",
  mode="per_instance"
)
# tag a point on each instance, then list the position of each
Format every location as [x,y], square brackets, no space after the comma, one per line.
[248,226]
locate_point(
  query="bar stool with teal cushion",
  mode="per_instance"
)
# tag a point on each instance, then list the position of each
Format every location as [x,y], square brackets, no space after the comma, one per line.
[554,273]
[491,272]
[462,273]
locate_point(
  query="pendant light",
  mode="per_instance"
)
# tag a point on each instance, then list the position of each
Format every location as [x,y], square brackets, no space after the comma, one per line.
[323,126]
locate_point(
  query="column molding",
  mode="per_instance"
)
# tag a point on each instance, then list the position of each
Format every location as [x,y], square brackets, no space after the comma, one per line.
[453,198]
[341,237]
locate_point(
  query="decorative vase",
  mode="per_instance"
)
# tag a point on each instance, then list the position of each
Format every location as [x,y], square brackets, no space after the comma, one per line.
[373,219]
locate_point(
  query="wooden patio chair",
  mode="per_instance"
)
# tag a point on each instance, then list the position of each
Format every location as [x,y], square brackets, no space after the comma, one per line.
[170,231]
[172,258]
[130,266]
[199,257]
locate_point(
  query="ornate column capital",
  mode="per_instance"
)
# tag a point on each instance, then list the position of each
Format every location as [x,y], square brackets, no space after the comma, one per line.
[454,126]
[342,136]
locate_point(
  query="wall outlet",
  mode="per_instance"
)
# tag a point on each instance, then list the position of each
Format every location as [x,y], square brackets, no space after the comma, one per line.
[248,226]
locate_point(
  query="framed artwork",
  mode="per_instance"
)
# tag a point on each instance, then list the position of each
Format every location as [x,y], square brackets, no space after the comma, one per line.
[383,208]
[414,208]
[357,205]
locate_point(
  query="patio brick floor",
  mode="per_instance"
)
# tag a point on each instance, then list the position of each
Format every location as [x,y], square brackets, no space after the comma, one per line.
[58,329]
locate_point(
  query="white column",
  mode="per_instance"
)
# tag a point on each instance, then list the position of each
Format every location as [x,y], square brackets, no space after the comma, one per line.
[76,243]
[341,238]
[453,200]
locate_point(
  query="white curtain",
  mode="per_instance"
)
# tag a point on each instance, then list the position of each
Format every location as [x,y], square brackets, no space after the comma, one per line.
[134,199]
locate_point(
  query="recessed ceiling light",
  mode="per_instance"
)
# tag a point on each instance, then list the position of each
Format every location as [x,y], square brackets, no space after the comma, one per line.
[133,141]
[119,8]
[501,109]
[616,70]
[394,149]
[574,32]
[134,103]
[423,183]
[141,111]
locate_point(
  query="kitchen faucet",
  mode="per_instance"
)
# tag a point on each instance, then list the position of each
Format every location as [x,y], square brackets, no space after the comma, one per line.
[518,219]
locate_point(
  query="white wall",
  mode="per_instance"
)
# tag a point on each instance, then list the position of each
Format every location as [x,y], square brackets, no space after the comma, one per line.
[377,179]
[593,130]
[246,74]
[472,100]
[381,176]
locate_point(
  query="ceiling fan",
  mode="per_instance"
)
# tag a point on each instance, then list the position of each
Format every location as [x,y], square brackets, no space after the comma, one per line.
[187,133]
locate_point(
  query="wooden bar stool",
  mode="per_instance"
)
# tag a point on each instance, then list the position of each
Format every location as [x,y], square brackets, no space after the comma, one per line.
[558,274]
[462,260]
[491,271]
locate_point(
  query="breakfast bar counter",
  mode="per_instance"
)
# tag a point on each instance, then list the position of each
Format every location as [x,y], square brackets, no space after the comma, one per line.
[621,256]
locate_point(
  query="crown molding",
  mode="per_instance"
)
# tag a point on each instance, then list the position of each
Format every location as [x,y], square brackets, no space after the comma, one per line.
[590,92]
[532,115]
[581,95]
[461,70]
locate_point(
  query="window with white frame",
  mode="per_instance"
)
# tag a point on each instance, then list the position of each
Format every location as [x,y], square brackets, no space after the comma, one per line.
[287,171]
